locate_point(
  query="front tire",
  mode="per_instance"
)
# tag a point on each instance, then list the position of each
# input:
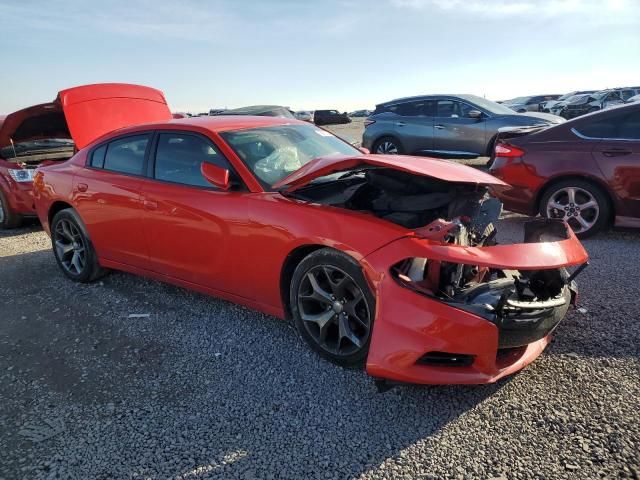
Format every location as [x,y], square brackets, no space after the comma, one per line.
[332,306]
[8,219]
[583,205]
[388,146]
[73,249]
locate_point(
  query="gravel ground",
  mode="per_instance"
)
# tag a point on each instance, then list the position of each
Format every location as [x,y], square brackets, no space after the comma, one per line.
[202,388]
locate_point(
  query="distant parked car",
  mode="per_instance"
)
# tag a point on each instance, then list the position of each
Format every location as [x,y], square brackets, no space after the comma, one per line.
[360,113]
[599,101]
[260,111]
[559,108]
[330,117]
[550,105]
[462,126]
[585,171]
[304,115]
[528,104]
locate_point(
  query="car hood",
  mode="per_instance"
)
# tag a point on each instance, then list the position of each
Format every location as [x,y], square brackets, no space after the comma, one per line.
[421,166]
[86,113]
[548,117]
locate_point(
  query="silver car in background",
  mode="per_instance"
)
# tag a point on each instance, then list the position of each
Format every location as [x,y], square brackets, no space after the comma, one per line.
[453,126]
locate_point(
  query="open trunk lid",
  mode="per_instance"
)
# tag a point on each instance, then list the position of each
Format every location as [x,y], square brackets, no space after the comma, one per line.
[83,114]
[422,166]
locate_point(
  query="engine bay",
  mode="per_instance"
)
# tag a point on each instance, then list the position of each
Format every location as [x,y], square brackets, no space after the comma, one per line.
[525,305]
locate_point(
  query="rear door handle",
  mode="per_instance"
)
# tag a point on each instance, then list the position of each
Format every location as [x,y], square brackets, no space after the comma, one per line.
[82,187]
[150,205]
[616,152]
[439,127]
[400,124]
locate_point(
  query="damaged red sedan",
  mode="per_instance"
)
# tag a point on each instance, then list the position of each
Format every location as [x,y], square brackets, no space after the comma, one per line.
[385,261]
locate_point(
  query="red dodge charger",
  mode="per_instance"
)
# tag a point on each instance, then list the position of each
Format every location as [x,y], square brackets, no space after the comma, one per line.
[385,261]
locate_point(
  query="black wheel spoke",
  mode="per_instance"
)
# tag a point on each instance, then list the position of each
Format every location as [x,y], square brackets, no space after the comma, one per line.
[344,331]
[317,292]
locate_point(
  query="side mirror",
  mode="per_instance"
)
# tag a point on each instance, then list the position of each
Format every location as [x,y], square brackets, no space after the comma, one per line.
[364,150]
[474,114]
[218,177]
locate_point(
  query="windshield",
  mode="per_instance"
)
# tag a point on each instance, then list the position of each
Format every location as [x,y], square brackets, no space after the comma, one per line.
[272,153]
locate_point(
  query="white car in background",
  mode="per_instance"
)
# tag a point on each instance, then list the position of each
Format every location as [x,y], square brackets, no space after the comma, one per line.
[304,115]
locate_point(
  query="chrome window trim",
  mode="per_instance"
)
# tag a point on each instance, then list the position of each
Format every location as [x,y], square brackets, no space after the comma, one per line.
[584,137]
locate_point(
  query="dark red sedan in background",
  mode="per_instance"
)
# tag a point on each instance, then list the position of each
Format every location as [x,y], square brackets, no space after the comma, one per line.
[585,171]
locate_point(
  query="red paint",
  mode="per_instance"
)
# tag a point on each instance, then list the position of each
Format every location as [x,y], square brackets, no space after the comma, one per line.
[83,114]
[233,244]
[428,167]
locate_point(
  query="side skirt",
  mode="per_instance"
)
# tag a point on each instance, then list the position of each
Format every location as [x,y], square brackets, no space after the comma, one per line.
[264,308]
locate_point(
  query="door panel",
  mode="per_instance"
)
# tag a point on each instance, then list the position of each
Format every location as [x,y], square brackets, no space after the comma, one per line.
[110,205]
[455,132]
[195,234]
[619,162]
[193,230]
[108,199]
[413,123]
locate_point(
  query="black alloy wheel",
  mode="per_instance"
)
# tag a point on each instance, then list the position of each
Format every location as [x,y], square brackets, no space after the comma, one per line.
[333,306]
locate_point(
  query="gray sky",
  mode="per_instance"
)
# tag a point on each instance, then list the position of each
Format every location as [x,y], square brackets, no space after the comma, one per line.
[344,54]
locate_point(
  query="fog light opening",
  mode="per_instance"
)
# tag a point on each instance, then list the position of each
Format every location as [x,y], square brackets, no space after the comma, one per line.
[445,359]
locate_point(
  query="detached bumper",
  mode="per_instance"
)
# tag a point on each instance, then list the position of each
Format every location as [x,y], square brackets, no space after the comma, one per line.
[423,340]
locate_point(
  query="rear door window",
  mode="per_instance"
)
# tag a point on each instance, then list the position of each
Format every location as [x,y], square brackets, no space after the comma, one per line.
[126,155]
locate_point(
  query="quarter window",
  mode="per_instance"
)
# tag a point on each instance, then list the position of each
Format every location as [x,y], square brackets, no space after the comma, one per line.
[179,157]
[126,155]
[97,157]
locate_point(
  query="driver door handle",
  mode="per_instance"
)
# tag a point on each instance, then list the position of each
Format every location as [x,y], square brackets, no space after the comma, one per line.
[400,124]
[616,152]
[150,205]
[439,127]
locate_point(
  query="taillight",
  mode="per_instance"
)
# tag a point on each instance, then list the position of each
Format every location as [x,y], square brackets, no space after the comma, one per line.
[507,151]
[368,122]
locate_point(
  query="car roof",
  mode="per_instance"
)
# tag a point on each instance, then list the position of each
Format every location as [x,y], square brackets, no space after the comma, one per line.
[464,96]
[216,123]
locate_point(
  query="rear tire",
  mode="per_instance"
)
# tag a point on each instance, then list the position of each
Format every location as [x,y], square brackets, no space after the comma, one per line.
[332,306]
[73,249]
[582,204]
[8,218]
[388,146]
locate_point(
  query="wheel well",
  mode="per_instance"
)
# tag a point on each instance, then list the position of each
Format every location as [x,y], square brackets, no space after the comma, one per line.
[286,274]
[55,208]
[595,183]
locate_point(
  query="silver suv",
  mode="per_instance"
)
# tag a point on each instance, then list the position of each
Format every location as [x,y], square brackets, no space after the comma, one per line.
[459,126]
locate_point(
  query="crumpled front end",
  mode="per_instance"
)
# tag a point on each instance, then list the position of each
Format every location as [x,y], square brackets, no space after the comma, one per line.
[455,311]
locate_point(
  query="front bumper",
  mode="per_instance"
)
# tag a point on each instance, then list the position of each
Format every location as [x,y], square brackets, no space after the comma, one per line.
[410,326]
